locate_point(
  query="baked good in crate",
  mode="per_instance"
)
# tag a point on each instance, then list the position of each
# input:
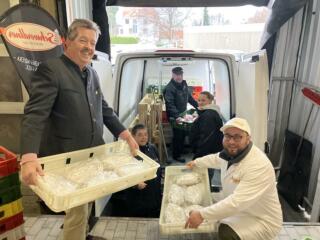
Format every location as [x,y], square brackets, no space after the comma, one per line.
[194,194]
[188,179]
[130,168]
[176,195]
[82,172]
[102,177]
[57,184]
[174,214]
[111,162]
[190,208]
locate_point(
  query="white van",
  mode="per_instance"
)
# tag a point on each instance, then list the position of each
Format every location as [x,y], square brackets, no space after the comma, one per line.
[239,82]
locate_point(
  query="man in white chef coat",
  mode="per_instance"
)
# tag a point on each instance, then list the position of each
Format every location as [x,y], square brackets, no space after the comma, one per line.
[250,208]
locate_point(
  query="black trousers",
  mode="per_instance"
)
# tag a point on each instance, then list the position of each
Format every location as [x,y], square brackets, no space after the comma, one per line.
[177,142]
[227,233]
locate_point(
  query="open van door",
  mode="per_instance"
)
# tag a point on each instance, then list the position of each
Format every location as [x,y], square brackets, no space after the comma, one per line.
[251,92]
[104,70]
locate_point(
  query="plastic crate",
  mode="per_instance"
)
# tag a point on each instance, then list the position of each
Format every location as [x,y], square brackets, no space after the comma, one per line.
[17,233]
[10,209]
[85,195]
[185,126]
[196,90]
[8,162]
[10,194]
[174,228]
[11,222]
[9,181]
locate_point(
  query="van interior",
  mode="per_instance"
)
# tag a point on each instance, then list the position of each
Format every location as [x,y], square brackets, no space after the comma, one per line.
[150,75]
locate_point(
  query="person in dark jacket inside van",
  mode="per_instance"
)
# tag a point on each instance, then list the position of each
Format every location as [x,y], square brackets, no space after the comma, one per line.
[205,135]
[177,96]
[144,199]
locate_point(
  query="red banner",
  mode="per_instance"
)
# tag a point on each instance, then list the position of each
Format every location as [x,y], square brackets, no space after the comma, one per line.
[31,35]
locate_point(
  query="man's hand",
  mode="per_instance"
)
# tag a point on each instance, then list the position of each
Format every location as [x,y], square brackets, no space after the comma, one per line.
[141,186]
[194,220]
[30,168]
[133,145]
[191,164]
[126,135]
[179,120]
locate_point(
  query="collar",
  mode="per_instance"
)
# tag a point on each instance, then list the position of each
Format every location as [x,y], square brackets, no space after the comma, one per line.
[235,159]
[144,148]
[71,63]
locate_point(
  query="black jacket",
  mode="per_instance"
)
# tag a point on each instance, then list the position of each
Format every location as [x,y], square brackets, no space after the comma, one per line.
[176,97]
[146,202]
[63,113]
[205,135]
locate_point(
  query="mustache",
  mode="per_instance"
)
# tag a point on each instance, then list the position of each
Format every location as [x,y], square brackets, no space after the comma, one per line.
[85,50]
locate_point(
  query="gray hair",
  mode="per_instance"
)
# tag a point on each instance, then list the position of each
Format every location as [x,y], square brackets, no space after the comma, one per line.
[81,23]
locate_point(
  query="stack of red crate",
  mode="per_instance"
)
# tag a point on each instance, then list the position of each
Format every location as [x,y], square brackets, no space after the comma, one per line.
[196,90]
[11,215]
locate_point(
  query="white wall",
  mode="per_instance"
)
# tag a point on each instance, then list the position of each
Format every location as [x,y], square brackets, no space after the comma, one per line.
[244,37]
[296,64]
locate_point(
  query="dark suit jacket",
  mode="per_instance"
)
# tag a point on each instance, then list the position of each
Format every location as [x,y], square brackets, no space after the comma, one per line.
[63,113]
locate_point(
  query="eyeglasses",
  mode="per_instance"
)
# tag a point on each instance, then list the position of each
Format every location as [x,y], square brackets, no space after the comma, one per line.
[236,137]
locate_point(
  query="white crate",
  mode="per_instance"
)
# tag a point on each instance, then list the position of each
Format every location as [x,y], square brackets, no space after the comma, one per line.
[174,228]
[13,234]
[84,195]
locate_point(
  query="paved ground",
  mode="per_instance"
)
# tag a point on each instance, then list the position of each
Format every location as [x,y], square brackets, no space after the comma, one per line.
[48,227]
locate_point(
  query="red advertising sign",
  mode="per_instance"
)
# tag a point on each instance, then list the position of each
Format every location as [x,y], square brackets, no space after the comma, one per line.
[31,35]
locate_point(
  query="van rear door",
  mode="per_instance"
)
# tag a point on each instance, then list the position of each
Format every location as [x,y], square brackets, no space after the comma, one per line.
[137,71]
[251,92]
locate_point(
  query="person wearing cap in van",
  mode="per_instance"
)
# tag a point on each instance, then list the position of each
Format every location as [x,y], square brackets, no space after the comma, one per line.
[250,209]
[177,96]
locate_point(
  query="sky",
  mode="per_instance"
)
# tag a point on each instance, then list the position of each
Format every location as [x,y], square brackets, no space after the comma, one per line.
[235,15]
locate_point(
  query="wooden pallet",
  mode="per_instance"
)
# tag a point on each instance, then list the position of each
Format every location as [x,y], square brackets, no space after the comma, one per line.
[150,114]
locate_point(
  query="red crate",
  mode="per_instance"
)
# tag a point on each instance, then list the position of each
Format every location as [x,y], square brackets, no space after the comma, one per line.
[8,162]
[197,89]
[195,95]
[11,222]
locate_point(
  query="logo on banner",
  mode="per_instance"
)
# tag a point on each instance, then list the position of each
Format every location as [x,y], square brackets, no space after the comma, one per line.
[31,36]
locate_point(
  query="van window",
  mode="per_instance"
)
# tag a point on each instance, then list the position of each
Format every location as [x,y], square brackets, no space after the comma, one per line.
[130,90]
[146,75]
[221,86]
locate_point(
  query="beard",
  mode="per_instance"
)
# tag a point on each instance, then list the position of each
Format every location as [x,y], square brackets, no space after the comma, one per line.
[233,151]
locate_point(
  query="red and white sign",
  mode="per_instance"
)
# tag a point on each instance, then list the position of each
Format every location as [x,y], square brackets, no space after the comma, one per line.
[31,36]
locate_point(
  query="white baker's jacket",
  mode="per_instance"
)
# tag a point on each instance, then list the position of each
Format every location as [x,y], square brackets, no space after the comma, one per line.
[251,204]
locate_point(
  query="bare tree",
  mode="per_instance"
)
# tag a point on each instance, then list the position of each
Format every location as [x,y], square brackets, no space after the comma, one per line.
[170,22]
[259,17]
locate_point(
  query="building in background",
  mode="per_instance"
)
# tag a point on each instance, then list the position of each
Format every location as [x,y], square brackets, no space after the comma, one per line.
[138,22]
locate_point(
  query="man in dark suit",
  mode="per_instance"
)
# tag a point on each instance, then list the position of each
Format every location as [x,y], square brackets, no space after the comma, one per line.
[66,112]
